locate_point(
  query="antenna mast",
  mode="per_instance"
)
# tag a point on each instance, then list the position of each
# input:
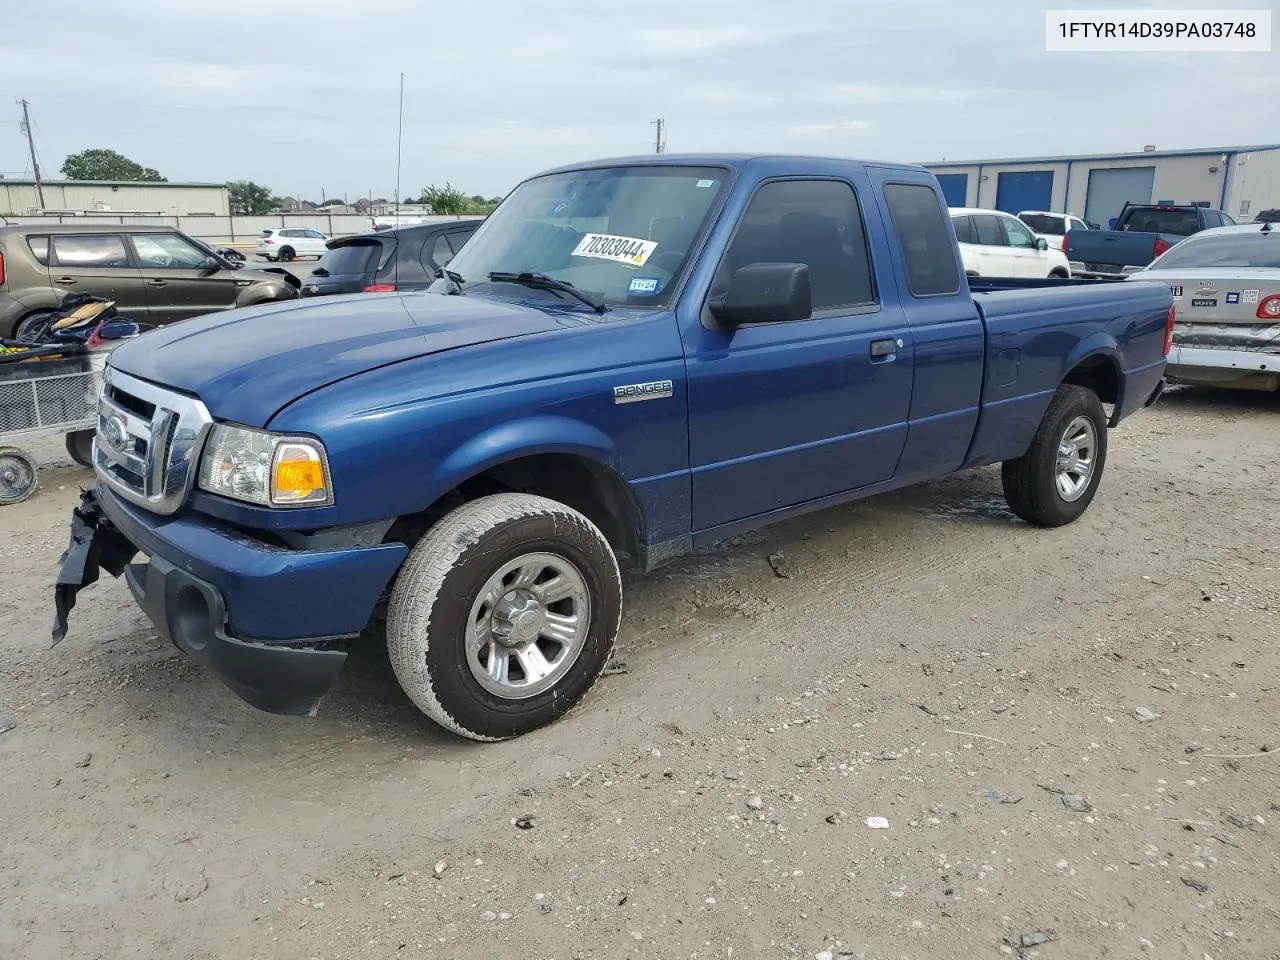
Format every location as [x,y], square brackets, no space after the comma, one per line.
[399,141]
[660,145]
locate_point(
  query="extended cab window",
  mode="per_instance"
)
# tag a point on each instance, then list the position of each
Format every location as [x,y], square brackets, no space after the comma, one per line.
[815,222]
[928,254]
[90,250]
[166,251]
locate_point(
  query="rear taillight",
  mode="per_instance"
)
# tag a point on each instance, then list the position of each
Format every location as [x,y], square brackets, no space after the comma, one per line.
[1066,239]
[1168,329]
[1161,246]
[268,242]
[1268,309]
[1,269]
[380,288]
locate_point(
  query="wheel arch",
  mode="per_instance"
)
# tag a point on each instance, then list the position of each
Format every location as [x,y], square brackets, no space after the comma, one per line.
[1095,365]
[567,461]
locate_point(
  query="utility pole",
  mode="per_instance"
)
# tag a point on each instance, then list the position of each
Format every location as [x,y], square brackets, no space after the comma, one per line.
[31,144]
[660,145]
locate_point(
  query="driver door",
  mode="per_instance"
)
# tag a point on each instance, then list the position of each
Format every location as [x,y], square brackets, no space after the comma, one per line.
[179,285]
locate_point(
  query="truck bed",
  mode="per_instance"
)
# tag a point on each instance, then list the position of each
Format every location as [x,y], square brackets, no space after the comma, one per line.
[1039,329]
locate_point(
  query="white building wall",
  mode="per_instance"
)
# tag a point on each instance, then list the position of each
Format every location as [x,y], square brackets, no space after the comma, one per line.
[1250,178]
[166,199]
[1253,184]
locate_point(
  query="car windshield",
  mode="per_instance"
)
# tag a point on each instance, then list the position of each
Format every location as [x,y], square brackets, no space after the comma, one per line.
[1252,249]
[621,233]
[1038,222]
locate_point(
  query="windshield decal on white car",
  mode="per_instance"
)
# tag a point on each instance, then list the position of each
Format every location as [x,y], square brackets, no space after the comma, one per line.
[604,246]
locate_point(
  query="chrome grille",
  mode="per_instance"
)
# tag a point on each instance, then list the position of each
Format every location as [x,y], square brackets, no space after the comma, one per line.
[148,441]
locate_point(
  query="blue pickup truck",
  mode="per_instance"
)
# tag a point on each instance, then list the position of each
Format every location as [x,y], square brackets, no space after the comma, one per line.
[628,359]
[1137,236]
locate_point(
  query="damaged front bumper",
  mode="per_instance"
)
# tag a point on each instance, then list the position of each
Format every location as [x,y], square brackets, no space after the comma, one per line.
[191,596]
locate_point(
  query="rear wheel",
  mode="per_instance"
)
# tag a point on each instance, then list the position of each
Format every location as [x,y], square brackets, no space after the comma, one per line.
[1054,482]
[19,476]
[34,325]
[504,615]
[80,447]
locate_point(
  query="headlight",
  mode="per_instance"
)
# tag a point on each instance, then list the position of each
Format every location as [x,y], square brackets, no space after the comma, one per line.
[265,468]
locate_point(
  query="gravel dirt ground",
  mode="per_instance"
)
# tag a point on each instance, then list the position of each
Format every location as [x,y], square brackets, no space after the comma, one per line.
[1073,737]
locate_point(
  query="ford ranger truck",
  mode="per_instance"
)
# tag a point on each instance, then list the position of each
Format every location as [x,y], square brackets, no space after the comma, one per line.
[628,359]
[1142,232]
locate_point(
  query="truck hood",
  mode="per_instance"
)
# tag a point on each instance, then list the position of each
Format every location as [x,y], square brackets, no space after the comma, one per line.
[245,365]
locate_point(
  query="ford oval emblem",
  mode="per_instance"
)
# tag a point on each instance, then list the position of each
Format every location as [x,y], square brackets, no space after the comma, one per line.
[113,433]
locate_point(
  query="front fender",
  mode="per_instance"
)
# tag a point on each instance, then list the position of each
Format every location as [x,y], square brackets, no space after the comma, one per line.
[526,437]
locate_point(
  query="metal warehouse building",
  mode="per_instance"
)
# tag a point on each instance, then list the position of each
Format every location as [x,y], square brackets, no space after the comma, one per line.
[1242,181]
[21,198]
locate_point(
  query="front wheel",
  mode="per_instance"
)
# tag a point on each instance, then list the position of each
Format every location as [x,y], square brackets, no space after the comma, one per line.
[504,615]
[80,447]
[1054,482]
[286,255]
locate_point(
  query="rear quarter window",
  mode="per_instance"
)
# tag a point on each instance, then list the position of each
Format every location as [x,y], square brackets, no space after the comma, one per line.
[39,247]
[920,228]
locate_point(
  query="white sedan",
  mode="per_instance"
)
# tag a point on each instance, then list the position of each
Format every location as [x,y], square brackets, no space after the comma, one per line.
[1226,296]
[289,243]
[997,244]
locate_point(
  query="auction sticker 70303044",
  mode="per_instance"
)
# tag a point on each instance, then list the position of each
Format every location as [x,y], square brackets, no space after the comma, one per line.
[604,246]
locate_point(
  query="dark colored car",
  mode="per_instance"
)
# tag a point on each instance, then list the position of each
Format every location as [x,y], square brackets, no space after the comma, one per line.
[406,258]
[155,275]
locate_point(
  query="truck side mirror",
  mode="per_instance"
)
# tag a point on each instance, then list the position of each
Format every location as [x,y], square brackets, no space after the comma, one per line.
[766,293]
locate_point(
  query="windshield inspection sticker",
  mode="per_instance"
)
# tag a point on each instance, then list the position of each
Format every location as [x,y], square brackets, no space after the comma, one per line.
[703,184]
[604,246]
[644,285]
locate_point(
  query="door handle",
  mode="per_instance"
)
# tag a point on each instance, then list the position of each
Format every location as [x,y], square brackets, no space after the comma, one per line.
[157,283]
[885,349]
[65,280]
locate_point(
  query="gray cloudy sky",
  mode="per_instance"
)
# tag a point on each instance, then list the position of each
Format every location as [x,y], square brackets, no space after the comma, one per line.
[302,94]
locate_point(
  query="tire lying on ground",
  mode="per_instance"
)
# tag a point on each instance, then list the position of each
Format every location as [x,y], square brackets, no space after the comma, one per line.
[1054,482]
[504,615]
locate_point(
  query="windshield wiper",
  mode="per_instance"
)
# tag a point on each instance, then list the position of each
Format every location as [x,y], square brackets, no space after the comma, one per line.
[455,278]
[540,281]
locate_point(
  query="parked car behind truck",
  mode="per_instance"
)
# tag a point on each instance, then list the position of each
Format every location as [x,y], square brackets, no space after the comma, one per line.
[155,275]
[628,359]
[1142,232]
[403,258]
[1226,285]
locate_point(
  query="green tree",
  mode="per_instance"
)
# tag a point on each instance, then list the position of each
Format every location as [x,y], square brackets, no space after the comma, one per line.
[445,200]
[249,198]
[106,165]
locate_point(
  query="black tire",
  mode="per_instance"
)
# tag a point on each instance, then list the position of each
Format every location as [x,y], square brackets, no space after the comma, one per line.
[1031,483]
[1059,275]
[80,447]
[438,592]
[286,254]
[19,476]
[34,325]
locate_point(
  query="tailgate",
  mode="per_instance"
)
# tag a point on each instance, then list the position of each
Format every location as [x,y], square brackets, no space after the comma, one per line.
[1099,249]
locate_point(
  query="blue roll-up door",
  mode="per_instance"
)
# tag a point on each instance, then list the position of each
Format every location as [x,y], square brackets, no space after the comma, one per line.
[1024,190]
[955,188]
[1111,187]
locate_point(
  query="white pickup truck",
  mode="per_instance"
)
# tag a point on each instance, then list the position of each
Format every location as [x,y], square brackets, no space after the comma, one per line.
[1053,227]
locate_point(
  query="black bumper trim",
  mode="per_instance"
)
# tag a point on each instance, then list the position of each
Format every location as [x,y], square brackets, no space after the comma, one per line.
[1157,393]
[190,613]
[289,678]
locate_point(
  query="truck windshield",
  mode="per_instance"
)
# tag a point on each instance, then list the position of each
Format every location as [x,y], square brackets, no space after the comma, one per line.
[1253,250]
[1180,223]
[625,234]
